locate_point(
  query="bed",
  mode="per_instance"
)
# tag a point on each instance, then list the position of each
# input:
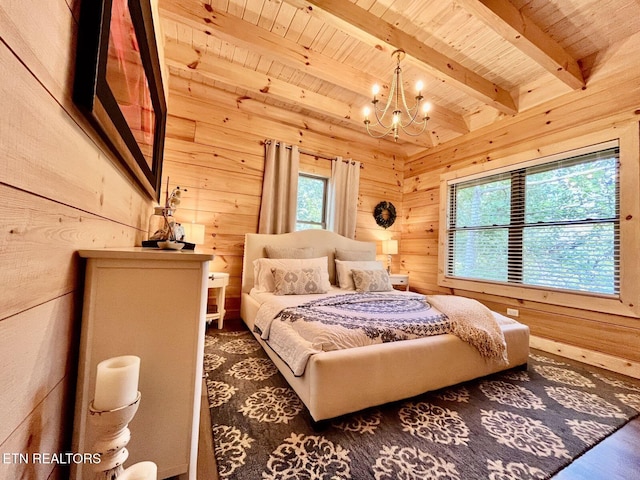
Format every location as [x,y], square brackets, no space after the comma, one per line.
[342,381]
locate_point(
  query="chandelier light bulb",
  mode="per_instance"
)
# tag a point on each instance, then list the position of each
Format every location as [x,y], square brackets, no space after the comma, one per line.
[366,111]
[426,107]
[419,86]
[375,89]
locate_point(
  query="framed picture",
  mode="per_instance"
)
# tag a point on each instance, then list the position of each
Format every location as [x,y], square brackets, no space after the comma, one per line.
[118,84]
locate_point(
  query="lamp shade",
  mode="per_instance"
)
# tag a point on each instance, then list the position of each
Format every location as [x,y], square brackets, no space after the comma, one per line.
[390,247]
[194,233]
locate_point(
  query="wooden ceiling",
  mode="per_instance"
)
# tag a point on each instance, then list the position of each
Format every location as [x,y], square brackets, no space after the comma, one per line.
[480,60]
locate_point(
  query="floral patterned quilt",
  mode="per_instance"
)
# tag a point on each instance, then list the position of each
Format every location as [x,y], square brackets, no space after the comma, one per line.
[346,321]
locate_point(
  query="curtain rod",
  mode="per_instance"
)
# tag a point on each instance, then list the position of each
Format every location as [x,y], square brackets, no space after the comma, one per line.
[312,154]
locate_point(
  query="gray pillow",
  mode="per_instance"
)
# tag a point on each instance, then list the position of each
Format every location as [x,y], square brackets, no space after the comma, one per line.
[354,255]
[289,252]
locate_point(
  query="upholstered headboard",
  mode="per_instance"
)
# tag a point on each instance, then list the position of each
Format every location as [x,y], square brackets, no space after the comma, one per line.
[323,242]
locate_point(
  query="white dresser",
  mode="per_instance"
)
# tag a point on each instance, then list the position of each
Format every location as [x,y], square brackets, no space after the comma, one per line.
[150,303]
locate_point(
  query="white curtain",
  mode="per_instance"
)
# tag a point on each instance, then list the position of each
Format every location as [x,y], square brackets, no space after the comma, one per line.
[279,188]
[343,197]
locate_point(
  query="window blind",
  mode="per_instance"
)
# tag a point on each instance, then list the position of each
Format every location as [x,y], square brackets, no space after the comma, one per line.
[551,224]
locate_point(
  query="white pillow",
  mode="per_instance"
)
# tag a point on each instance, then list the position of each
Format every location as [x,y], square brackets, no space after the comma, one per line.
[263,280]
[343,271]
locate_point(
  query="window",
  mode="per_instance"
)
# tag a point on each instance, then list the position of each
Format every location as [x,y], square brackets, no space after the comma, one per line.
[312,202]
[550,224]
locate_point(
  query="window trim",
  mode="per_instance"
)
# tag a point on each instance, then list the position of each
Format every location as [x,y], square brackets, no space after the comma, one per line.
[627,303]
[323,223]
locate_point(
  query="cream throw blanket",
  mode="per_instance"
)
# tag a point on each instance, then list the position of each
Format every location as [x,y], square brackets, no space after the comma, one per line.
[474,323]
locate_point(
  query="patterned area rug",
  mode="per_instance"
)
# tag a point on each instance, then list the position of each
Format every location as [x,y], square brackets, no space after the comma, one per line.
[520,424]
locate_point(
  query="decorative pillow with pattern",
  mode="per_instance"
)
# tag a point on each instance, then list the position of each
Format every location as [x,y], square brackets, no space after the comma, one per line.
[343,271]
[371,280]
[263,276]
[301,281]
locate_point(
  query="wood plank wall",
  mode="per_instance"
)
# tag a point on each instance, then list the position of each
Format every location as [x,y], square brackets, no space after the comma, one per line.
[60,190]
[611,99]
[214,148]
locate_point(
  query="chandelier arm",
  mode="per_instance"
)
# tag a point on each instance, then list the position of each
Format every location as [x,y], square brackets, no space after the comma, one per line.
[418,133]
[412,117]
[415,109]
[379,118]
[388,130]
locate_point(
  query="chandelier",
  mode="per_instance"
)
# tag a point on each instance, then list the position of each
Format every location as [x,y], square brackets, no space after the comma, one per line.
[401,116]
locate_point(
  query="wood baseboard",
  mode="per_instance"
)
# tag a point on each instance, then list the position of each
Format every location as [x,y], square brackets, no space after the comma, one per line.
[602,360]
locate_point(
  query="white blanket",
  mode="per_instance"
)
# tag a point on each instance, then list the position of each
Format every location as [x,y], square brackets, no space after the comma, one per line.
[474,323]
[338,321]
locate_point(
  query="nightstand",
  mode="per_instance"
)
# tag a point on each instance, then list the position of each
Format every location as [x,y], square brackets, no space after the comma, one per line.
[399,280]
[218,281]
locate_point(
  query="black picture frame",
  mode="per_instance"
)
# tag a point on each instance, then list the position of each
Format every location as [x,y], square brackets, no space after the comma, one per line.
[104,107]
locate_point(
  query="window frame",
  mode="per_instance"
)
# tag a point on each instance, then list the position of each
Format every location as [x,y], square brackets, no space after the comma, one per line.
[627,301]
[323,223]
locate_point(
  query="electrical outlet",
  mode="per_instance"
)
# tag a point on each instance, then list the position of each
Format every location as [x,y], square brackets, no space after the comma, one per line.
[513,312]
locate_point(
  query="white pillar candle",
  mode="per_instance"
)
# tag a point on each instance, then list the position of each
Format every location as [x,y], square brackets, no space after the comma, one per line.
[116,382]
[140,471]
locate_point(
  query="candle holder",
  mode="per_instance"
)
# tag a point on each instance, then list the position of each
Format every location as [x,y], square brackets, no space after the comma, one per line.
[111,438]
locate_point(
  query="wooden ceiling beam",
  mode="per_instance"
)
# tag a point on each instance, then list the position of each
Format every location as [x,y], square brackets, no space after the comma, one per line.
[185,57]
[198,100]
[522,33]
[372,29]
[246,35]
[241,33]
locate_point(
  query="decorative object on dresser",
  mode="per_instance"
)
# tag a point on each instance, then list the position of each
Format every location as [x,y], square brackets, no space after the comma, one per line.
[517,424]
[218,282]
[389,247]
[385,214]
[152,304]
[163,230]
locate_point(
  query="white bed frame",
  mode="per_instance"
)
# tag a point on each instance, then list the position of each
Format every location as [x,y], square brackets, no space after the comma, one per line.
[345,381]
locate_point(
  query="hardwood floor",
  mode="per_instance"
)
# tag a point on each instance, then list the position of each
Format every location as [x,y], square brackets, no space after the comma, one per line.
[207,469]
[615,458]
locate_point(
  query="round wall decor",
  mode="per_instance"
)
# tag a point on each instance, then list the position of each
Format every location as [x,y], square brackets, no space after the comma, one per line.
[385,214]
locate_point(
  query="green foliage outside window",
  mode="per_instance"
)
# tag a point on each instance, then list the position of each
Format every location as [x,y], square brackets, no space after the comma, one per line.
[553,225]
[312,198]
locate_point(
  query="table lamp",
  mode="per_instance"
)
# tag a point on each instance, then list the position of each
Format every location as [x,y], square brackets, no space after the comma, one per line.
[389,247]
